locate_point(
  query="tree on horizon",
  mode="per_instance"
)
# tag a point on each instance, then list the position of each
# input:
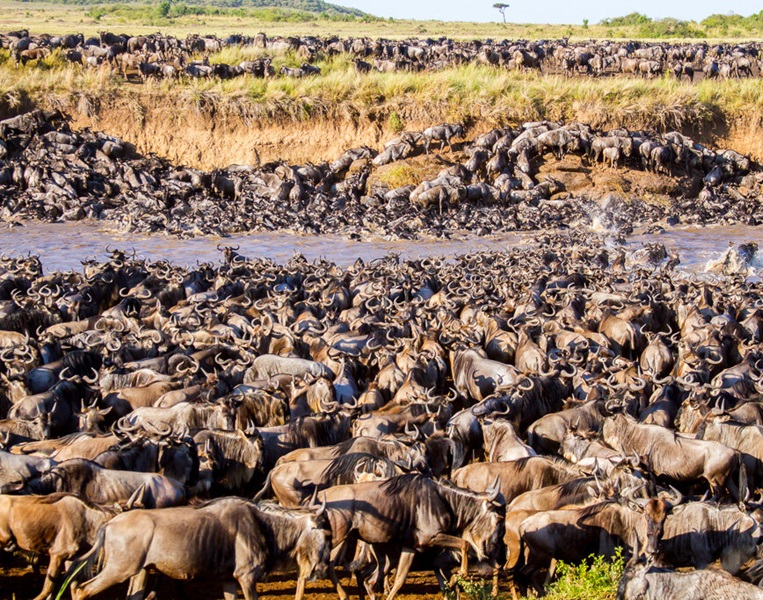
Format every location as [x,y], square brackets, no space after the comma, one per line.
[501,9]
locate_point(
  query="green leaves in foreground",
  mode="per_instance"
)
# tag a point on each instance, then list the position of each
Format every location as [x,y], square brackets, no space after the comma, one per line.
[65,585]
[596,578]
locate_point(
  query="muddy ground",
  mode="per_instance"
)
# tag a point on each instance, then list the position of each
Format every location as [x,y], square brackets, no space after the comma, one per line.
[19,582]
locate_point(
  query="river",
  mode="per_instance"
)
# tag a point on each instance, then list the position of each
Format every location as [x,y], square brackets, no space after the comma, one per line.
[61,246]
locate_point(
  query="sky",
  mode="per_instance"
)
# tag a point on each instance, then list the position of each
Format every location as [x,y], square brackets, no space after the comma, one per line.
[550,11]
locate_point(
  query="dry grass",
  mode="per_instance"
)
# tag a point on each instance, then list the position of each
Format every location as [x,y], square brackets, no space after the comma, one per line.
[471,93]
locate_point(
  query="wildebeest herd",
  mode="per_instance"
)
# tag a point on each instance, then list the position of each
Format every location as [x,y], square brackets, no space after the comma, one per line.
[164,56]
[492,184]
[498,411]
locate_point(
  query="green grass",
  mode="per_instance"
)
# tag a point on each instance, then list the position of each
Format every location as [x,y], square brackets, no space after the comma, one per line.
[596,578]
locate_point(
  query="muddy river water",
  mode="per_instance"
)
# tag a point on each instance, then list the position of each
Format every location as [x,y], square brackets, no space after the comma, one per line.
[61,246]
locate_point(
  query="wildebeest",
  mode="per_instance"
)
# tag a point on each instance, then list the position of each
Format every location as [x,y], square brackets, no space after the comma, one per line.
[415,512]
[643,582]
[249,542]
[104,486]
[293,482]
[61,526]
[443,133]
[670,455]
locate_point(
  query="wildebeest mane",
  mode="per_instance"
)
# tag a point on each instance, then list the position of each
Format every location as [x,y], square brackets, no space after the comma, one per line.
[229,451]
[594,509]
[27,321]
[406,484]
[341,471]
[323,430]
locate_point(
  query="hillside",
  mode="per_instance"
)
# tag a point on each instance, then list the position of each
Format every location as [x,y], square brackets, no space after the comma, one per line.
[304,6]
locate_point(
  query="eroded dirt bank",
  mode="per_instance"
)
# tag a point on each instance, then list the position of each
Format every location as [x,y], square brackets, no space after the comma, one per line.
[209,139]
[206,131]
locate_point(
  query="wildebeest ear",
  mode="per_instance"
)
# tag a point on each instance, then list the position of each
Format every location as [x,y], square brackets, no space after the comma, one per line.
[267,324]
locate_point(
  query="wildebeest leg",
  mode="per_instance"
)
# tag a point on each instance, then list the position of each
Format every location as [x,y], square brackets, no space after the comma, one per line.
[230,590]
[137,587]
[551,571]
[301,581]
[513,587]
[464,558]
[110,576]
[403,567]
[54,569]
[335,581]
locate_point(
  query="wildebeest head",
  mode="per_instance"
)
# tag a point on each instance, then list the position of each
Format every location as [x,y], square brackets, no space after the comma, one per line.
[655,511]
[91,419]
[313,549]
[178,459]
[481,516]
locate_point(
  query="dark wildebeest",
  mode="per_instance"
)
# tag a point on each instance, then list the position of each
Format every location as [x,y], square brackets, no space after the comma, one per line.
[293,482]
[416,512]
[678,458]
[17,468]
[644,583]
[172,457]
[230,459]
[573,534]
[698,533]
[227,539]
[305,432]
[59,525]
[443,133]
[104,486]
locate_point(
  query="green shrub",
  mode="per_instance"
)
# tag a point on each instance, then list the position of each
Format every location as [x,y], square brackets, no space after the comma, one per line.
[476,589]
[594,579]
[395,122]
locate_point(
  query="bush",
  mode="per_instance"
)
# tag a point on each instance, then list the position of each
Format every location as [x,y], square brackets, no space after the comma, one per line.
[395,123]
[164,8]
[629,20]
[478,589]
[594,579]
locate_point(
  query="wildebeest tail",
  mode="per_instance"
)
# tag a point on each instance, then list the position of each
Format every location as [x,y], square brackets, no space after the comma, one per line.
[89,565]
[266,490]
[744,489]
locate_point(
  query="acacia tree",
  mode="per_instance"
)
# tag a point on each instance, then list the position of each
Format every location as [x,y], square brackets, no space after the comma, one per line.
[501,9]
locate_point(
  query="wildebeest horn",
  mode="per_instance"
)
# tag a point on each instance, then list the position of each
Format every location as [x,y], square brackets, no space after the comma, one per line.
[636,460]
[91,380]
[678,497]
[637,387]
[412,430]
[712,361]
[522,385]
[124,426]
